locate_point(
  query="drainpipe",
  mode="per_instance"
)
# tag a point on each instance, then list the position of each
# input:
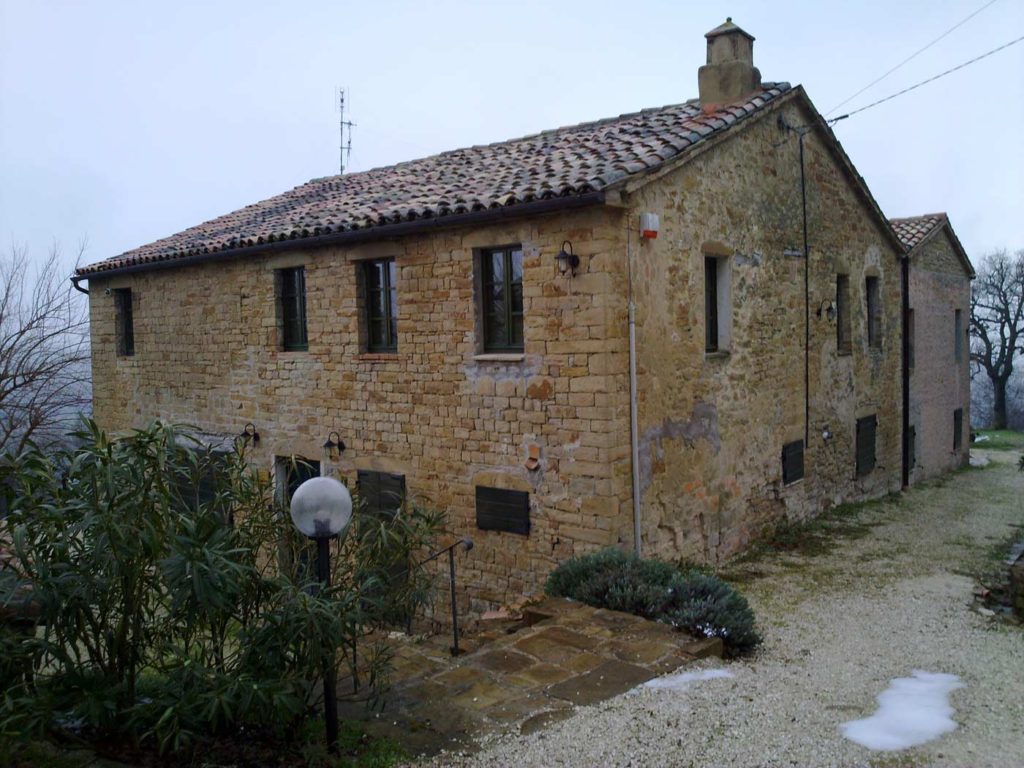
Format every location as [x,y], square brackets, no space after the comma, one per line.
[905,367]
[634,430]
[807,301]
[80,289]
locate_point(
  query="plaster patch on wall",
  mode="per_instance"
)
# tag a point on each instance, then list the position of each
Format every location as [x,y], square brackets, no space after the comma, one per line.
[702,425]
[753,260]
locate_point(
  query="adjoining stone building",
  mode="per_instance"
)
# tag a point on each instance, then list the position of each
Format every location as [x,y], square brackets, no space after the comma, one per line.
[938,309]
[462,324]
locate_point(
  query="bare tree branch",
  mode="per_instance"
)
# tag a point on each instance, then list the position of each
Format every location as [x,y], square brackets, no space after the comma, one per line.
[44,350]
[997,324]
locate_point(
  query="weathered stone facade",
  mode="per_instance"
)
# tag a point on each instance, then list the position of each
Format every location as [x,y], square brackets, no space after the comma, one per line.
[713,425]
[448,418]
[940,293]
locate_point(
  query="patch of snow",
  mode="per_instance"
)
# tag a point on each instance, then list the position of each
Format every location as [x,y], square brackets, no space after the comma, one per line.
[681,680]
[981,439]
[978,461]
[911,711]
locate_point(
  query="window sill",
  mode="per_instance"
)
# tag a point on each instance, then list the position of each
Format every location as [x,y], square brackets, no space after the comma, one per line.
[844,352]
[718,354]
[377,357]
[500,357]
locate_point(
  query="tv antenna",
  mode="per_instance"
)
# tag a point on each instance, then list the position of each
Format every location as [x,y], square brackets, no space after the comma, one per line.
[345,131]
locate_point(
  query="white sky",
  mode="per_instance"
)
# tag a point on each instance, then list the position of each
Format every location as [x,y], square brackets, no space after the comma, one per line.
[123,122]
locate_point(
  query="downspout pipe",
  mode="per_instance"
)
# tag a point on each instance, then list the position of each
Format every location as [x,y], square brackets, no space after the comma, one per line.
[634,429]
[807,298]
[75,280]
[905,365]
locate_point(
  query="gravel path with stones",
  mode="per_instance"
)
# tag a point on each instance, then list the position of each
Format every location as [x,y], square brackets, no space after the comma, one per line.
[839,626]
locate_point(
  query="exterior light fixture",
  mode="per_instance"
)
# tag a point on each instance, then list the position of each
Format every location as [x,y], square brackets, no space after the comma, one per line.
[826,433]
[567,260]
[321,509]
[249,435]
[828,309]
[334,446]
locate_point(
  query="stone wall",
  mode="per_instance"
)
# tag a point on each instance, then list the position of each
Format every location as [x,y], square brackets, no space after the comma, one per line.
[713,425]
[449,418]
[207,353]
[939,382]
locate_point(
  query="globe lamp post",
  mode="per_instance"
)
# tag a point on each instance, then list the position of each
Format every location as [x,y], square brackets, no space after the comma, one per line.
[321,509]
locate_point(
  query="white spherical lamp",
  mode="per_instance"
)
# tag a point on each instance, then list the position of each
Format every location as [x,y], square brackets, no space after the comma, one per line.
[321,508]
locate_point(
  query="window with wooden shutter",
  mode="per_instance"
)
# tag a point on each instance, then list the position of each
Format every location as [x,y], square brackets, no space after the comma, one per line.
[874,311]
[380,278]
[843,335]
[498,509]
[792,462]
[382,492]
[866,428]
[292,300]
[125,323]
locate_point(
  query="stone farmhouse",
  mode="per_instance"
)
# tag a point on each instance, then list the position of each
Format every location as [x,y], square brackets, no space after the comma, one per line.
[663,331]
[938,318]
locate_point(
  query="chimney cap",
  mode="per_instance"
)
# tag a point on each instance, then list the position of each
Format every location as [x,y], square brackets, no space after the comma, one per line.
[728,28]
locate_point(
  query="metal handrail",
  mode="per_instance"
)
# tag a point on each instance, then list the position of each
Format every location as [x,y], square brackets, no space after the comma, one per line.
[466,544]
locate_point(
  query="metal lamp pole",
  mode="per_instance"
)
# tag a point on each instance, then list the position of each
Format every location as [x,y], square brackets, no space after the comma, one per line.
[321,509]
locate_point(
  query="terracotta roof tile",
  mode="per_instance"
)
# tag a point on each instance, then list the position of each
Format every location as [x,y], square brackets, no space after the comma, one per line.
[914,229]
[562,163]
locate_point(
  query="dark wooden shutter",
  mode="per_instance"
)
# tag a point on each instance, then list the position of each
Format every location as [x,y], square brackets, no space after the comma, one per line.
[958,428]
[866,428]
[501,510]
[792,462]
[382,492]
[710,304]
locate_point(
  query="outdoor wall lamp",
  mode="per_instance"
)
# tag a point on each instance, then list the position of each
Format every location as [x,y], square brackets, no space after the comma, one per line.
[567,260]
[334,446]
[827,308]
[826,433]
[249,435]
[321,509]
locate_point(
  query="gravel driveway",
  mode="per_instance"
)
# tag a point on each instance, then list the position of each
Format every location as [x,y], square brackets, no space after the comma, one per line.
[893,596]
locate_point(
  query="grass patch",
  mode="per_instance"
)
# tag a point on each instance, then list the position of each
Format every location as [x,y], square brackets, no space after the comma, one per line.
[815,536]
[1000,440]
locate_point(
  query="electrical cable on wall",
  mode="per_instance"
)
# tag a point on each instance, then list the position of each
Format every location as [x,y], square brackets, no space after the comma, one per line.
[911,57]
[925,82]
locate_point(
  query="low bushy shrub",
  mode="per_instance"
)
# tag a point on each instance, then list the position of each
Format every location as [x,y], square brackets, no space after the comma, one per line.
[696,602]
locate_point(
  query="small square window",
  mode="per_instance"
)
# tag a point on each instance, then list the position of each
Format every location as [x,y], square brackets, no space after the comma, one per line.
[792,462]
[501,299]
[124,321]
[498,509]
[874,309]
[381,305]
[292,303]
[866,429]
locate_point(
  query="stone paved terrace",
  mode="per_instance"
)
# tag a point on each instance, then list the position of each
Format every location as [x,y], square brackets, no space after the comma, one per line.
[521,675]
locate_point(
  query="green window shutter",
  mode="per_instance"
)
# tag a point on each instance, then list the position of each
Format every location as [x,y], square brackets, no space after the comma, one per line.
[866,429]
[498,509]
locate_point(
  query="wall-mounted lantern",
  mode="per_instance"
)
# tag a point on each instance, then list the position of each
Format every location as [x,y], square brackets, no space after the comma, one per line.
[334,446]
[567,260]
[249,435]
[826,433]
[828,309]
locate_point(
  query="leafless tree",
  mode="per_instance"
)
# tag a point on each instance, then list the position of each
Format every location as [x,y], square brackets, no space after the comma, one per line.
[44,350]
[997,324]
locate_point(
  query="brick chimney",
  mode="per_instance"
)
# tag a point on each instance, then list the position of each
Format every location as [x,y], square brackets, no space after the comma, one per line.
[730,73]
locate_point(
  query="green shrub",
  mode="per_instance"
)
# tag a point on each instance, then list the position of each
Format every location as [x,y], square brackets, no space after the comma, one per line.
[697,602]
[170,600]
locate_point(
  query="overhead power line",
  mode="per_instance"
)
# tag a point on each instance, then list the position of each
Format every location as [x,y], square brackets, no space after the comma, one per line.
[911,56]
[925,82]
